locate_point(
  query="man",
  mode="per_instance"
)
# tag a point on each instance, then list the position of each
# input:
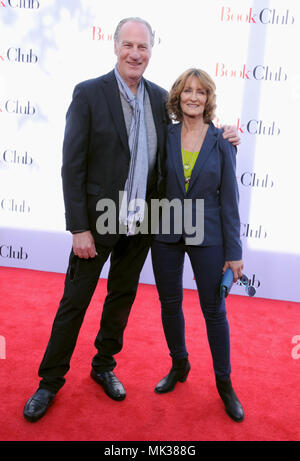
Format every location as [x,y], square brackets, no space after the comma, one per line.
[114,141]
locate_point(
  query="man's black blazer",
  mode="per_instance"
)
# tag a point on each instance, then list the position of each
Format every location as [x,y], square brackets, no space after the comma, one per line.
[96,155]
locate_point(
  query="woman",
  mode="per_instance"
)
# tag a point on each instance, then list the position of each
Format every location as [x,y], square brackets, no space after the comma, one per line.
[200,165]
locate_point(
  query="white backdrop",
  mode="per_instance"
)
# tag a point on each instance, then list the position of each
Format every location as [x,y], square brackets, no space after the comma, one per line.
[250,48]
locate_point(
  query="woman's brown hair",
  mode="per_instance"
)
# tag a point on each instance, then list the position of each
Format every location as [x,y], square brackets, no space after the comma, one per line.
[173,104]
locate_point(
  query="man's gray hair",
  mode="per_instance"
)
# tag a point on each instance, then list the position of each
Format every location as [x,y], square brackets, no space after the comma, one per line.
[140,20]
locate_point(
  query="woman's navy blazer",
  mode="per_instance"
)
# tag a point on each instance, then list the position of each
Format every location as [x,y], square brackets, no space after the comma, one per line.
[213,179]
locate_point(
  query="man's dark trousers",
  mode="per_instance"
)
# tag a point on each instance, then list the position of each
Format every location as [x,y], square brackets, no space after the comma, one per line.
[127,260]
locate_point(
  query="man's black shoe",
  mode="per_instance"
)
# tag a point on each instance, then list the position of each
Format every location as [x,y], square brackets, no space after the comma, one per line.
[38,404]
[110,383]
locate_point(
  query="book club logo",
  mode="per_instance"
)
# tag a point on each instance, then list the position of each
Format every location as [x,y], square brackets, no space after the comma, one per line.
[19,55]
[256,232]
[14,157]
[259,72]
[20,4]
[258,127]
[265,16]
[99,34]
[12,205]
[10,252]
[17,107]
[253,180]
[254,127]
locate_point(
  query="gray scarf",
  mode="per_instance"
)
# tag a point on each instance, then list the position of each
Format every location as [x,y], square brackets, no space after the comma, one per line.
[133,201]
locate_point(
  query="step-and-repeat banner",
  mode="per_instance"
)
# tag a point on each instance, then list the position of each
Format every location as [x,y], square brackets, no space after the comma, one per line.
[250,48]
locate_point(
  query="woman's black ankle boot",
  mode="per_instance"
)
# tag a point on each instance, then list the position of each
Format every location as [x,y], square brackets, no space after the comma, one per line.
[179,372]
[232,404]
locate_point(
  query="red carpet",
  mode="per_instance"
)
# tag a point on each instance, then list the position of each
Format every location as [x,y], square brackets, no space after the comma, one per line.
[264,373]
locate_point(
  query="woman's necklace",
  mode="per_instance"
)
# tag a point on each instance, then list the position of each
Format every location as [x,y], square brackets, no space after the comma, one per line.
[188,161]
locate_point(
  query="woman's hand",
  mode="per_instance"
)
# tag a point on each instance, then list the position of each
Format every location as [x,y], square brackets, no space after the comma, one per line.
[236,267]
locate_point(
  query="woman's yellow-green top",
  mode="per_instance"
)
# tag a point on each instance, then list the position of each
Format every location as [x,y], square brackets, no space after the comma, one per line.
[188,160]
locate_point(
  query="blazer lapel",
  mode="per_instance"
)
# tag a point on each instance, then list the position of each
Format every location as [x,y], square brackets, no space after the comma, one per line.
[175,151]
[156,112]
[207,146]
[114,103]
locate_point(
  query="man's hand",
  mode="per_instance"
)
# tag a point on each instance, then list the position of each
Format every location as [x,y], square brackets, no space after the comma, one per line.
[236,267]
[84,245]
[231,134]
